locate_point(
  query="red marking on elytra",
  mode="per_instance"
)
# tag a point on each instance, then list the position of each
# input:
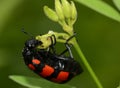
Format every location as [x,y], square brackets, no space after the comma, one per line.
[62,76]
[47,71]
[36,61]
[31,67]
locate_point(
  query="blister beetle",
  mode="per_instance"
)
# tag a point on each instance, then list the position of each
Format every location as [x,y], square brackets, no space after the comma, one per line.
[49,65]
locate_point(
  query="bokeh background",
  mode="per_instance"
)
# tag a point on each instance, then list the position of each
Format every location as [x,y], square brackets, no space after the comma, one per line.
[98,37]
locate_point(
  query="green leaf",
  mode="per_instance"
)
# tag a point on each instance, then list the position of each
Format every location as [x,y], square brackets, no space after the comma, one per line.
[117,3]
[101,7]
[37,83]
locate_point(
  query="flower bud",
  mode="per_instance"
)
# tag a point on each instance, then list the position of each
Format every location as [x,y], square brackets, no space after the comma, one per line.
[59,10]
[73,11]
[66,8]
[50,14]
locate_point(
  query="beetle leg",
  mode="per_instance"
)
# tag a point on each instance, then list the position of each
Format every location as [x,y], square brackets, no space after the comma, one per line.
[68,47]
[53,42]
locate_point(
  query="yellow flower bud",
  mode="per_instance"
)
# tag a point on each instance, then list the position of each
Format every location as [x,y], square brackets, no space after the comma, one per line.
[66,8]
[73,11]
[59,10]
[50,13]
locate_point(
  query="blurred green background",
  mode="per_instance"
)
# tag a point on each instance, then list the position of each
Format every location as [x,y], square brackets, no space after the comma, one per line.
[98,37]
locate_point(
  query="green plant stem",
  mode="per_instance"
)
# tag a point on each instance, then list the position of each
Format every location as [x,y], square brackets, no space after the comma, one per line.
[87,65]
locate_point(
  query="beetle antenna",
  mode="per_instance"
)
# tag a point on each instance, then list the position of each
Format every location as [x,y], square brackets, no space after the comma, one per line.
[23,30]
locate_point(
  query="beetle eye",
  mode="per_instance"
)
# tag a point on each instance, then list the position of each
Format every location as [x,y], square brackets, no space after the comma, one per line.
[32,43]
[29,45]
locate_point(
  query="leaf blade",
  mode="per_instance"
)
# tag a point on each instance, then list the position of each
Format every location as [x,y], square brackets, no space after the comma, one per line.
[102,8]
[37,83]
[117,3]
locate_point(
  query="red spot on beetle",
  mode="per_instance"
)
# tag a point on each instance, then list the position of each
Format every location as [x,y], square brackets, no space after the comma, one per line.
[31,67]
[62,76]
[36,61]
[47,71]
